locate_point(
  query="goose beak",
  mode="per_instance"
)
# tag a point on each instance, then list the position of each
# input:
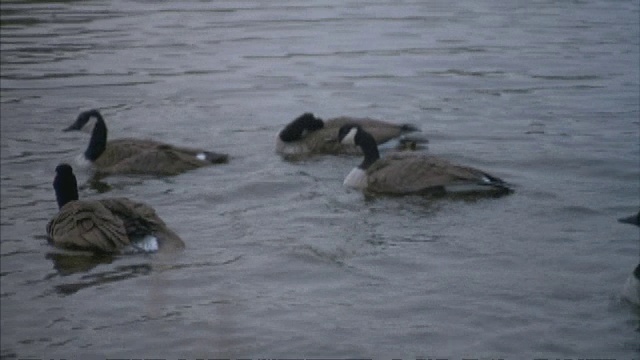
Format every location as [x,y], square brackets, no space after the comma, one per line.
[70,128]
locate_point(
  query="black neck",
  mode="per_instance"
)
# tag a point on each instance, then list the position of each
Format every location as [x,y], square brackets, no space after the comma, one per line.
[295,130]
[98,142]
[369,147]
[636,272]
[66,188]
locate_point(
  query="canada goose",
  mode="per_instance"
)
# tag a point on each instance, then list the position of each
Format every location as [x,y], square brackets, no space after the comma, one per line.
[117,225]
[309,134]
[631,289]
[411,172]
[135,156]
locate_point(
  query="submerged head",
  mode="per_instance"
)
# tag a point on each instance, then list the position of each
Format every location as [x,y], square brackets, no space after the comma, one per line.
[302,125]
[65,185]
[310,122]
[83,119]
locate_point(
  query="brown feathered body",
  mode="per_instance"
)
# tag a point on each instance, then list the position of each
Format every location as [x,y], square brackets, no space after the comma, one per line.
[408,172]
[325,140]
[108,225]
[135,156]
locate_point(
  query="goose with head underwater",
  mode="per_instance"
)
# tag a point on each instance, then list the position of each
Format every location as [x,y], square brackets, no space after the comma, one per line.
[631,289]
[402,173]
[136,156]
[310,135]
[116,225]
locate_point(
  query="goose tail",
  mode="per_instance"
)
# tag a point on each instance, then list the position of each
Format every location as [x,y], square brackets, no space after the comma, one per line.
[212,157]
[496,183]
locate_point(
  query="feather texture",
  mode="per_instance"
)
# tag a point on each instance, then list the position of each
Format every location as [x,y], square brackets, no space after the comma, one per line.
[410,172]
[132,156]
[107,225]
[318,136]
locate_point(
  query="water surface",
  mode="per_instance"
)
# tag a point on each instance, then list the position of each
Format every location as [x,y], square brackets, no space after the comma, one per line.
[281,259]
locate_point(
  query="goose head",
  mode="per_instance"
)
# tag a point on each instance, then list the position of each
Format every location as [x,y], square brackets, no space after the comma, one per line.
[86,120]
[65,185]
[303,124]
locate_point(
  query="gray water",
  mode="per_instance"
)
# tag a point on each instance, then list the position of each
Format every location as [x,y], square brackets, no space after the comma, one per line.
[281,259]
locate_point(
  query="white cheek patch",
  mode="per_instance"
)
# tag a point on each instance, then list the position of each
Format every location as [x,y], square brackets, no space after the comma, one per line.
[201,156]
[148,244]
[88,127]
[350,138]
[81,161]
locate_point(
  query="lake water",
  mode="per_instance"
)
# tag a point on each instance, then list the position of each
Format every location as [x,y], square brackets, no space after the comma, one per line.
[281,259]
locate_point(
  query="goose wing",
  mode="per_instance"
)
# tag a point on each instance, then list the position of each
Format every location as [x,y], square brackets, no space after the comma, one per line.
[121,149]
[161,160]
[381,131]
[87,225]
[140,220]
[402,173]
[325,141]
[108,225]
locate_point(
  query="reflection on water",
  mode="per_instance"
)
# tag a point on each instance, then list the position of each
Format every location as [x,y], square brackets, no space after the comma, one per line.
[281,259]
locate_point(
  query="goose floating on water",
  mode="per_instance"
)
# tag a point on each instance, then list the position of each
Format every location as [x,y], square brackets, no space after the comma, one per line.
[631,289]
[410,172]
[136,156]
[116,225]
[309,135]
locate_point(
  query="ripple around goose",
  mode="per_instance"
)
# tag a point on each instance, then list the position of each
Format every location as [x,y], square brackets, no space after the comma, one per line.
[137,156]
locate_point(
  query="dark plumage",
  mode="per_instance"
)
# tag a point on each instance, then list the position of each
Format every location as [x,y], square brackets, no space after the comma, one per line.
[136,156]
[308,134]
[411,172]
[633,219]
[117,225]
[631,289]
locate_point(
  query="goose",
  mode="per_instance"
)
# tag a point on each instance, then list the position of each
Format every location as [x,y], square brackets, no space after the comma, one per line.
[308,135]
[114,225]
[402,173]
[631,288]
[136,156]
